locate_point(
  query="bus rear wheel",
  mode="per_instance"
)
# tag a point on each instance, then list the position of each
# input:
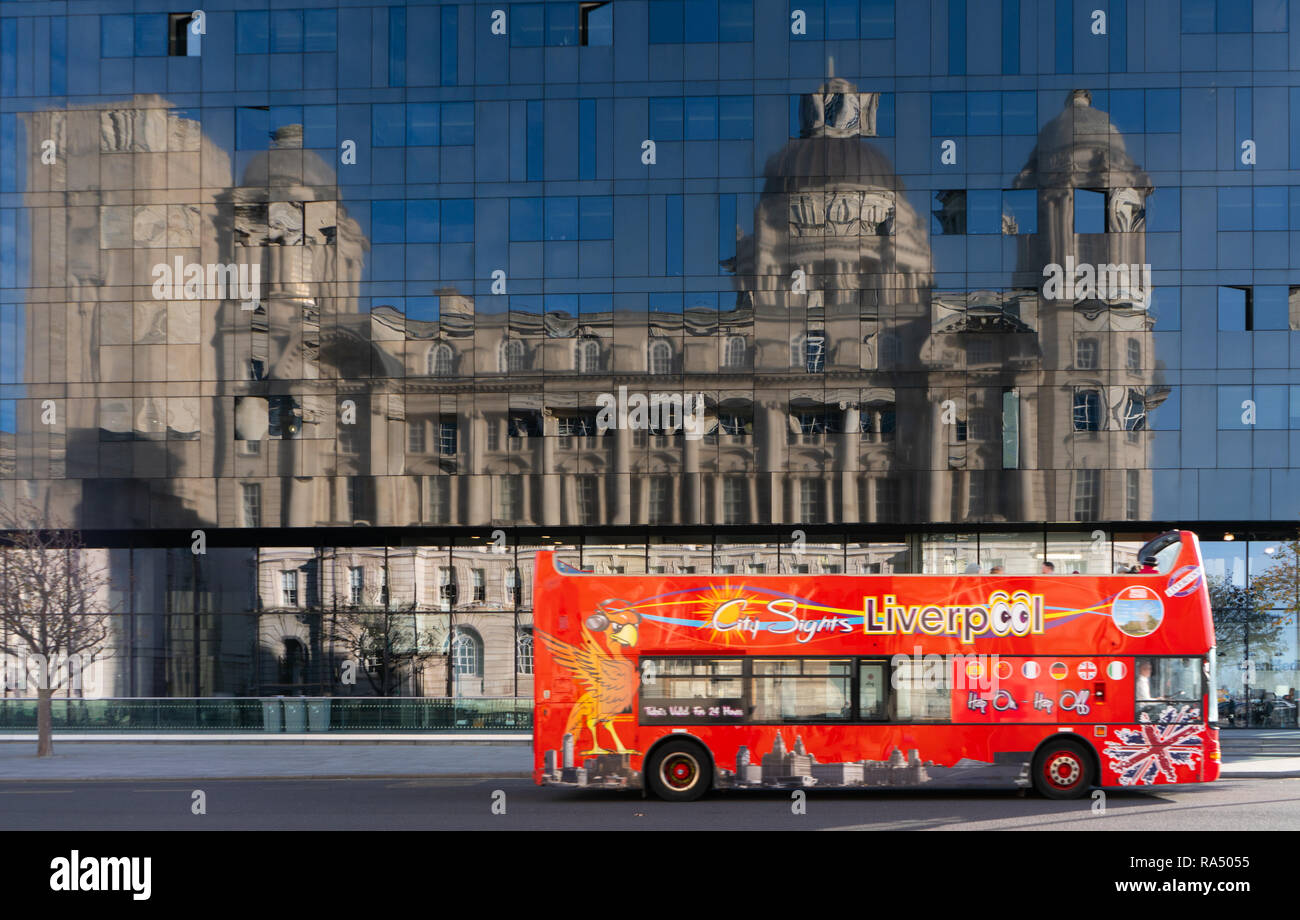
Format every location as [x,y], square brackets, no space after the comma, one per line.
[679,771]
[1063,770]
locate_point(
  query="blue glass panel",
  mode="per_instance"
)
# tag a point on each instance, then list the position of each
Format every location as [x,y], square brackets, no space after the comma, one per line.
[983,113]
[1127,110]
[116,36]
[1117,22]
[1232,16]
[561,218]
[956,37]
[58,56]
[458,220]
[1270,208]
[1271,407]
[561,24]
[600,25]
[701,20]
[587,139]
[252,128]
[1162,110]
[736,117]
[536,144]
[1022,206]
[318,128]
[422,124]
[527,25]
[1089,211]
[1270,16]
[1230,406]
[1163,209]
[525,219]
[1064,45]
[877,19]
[1011,36]
[448,43]
[396,46]
[735,21]
[387,221]
[388,124]
[1019,113]
[286,30]
[457,123]
[151,35]
[597,217]
[842,18]
[320,30]
[1270,307]
[947,114]
[1234,208]
[1232,309]
[984,211]
[701,118]
[666,119]
[666,22]
[673,235]
[1198,15]
[421,221]
[252,32]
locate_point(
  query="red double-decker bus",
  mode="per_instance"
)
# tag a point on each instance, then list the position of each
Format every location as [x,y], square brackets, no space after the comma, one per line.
[1064,682]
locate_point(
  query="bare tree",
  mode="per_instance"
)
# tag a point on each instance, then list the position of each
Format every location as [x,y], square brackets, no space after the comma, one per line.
[389,646]
[1242,618]
[54,610]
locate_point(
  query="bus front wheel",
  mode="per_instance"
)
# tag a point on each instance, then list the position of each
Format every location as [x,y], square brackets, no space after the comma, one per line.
[1063,770]
[679,771]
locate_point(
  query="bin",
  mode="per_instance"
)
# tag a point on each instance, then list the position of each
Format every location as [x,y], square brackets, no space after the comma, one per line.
[318,715]
[271,715]
[295,715]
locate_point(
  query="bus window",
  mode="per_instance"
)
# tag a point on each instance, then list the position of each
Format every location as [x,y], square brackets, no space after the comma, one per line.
[801,690]
[916,696]
[692,689]
[873,696]
[1164,682]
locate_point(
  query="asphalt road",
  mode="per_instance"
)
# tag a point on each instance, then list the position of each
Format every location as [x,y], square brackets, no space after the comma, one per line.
[458,804]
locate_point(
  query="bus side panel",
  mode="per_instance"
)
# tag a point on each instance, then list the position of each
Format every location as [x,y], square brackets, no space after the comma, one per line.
[1156,753]
[584,724]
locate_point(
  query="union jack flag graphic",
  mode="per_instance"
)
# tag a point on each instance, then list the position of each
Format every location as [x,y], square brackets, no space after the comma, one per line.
[1154,748]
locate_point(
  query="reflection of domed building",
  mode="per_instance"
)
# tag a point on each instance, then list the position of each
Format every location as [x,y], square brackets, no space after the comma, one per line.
[296,354]
[835,274]
[840,385]
[1089,433]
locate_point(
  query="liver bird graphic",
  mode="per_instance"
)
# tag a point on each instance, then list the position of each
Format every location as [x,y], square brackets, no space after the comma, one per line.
[608,678]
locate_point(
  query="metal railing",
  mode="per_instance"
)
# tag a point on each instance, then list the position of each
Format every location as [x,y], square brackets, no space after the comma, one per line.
[274,714]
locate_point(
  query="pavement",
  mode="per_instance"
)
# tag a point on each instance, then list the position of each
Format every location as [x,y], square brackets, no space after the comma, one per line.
[1247,753]
[74,760]
[1260,753]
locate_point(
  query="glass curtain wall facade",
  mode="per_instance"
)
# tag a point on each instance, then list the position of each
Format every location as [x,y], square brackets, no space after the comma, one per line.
[382,297]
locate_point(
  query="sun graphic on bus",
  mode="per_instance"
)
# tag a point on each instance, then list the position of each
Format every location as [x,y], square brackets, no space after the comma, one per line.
[726,608]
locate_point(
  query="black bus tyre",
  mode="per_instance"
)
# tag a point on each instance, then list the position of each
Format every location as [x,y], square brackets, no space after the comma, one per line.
[679,771]
[1063,770]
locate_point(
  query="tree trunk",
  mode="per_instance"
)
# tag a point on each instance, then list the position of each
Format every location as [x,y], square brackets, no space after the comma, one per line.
[44,730]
